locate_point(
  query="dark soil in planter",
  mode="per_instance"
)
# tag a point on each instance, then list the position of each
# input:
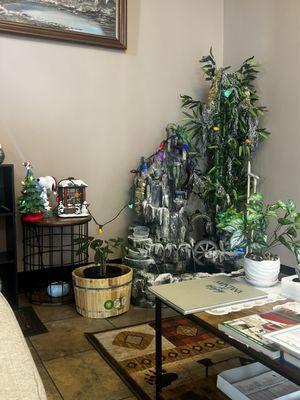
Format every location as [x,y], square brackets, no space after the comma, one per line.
[112,271]
[266,257]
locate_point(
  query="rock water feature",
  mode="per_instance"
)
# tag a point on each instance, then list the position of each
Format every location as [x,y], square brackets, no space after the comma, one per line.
[161,247]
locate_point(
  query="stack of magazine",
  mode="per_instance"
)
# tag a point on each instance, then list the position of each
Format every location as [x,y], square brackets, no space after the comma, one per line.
[256,382]
[270,332]
[288,339]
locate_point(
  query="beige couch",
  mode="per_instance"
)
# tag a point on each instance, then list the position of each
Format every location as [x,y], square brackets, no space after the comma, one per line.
[19,378]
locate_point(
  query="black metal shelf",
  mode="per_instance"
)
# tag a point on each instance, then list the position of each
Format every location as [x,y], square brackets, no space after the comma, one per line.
[8,250]
[8,214]
[6,257]
[50,254]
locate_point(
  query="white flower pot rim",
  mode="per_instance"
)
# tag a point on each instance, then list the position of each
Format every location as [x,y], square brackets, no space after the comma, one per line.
[262,273]
[275,255]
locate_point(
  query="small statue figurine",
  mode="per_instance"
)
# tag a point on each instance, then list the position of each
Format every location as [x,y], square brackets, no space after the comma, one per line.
[60,208]
[77,209]
[44,197]
[84,208]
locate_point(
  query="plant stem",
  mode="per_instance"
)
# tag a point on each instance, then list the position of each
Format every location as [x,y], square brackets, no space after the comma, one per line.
[275,232]
[276,240]
[278,228]
[104,268]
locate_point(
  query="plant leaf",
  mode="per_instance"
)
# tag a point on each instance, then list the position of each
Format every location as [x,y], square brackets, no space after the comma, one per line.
[284,221]
[237,239]
[297,252]
[297,221]
[256,197]
[283,241]
[291,207]
[281,204]
[292,232]
[96,243]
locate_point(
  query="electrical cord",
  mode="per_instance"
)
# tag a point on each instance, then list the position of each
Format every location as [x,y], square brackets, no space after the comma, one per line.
[111,220]
[129,204]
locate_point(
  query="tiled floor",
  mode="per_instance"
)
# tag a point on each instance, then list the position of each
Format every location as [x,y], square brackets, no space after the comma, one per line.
[68,364]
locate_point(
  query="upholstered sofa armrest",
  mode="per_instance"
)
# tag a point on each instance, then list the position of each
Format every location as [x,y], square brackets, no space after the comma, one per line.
[19,378]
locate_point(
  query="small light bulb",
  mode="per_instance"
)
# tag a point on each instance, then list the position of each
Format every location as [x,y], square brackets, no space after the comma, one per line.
[130,205]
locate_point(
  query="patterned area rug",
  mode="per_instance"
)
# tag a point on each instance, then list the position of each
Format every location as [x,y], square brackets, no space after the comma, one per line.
[192,359]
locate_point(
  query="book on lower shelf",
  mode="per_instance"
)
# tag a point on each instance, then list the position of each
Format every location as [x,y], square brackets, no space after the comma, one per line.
[295,361]
[251,330]
[256,382]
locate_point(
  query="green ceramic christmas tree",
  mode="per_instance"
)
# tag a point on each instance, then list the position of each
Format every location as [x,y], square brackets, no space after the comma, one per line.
[30,202]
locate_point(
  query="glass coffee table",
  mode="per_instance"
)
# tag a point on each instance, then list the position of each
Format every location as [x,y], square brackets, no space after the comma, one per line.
[210,323]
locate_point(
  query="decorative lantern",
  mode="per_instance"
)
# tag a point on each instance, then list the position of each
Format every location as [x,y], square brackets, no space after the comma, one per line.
[72,198]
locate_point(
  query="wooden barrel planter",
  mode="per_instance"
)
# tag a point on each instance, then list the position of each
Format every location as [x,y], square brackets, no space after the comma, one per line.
[102,298]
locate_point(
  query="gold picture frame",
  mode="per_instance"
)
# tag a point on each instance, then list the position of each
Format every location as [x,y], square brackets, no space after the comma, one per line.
[95,22]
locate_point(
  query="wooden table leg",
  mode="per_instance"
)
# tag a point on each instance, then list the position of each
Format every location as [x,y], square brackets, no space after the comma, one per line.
[158,347]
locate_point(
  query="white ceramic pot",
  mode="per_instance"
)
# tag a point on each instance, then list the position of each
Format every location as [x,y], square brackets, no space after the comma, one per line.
[297,269]
[262,273]
[290,288]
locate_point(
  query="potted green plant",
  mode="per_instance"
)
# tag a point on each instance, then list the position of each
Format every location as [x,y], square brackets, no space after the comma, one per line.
[103,289]
[250,229]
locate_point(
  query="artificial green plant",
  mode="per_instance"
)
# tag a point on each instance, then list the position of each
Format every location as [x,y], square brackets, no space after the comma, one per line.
[101,248]
[249,228]
[226,131]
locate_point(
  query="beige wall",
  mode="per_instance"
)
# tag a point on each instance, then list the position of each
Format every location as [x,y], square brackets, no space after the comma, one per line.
[269,30]
[91,112]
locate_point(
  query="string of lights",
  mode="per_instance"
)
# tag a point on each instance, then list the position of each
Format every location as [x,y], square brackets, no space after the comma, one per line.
[134,171]
[101,226]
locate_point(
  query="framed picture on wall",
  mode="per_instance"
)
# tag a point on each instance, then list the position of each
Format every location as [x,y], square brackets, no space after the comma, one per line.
[97,22]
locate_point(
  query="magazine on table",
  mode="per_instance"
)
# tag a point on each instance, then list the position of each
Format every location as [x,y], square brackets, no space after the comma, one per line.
[287,339]
[251,329]
[292,309]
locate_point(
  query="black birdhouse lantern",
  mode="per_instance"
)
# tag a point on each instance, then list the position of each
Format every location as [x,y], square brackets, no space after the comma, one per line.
[72,198]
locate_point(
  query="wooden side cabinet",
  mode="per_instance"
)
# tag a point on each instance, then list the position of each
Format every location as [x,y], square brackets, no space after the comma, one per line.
[8,247]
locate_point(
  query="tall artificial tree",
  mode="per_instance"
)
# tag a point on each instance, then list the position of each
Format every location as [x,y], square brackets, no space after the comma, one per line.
[226,130]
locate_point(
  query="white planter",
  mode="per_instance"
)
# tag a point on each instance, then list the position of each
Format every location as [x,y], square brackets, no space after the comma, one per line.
[290,288]
[297,269]
[262,273]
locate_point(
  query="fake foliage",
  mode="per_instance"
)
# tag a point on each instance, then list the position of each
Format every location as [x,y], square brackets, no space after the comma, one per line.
[226,130]
[30,201]
[102,249]
[248,228]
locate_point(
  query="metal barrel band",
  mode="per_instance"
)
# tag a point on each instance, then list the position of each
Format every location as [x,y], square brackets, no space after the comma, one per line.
[106,288]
